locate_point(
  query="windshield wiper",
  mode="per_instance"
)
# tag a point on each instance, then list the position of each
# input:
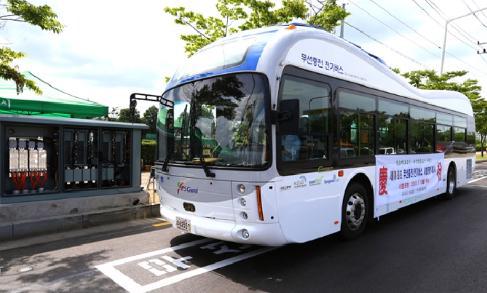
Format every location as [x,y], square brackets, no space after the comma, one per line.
[207,170]
[164,165]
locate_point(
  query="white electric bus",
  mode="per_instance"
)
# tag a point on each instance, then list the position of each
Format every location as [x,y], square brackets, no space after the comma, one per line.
[288,133]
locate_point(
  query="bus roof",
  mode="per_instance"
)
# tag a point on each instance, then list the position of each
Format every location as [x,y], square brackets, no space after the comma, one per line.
[268,50]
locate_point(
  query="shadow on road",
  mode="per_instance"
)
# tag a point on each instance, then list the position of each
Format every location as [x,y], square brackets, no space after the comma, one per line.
[426,247]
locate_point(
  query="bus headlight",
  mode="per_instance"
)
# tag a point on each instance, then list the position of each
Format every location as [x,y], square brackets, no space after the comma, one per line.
[241,188]
[244,215]
[242,201]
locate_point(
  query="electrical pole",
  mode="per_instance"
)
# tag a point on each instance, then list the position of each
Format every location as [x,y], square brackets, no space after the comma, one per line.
[446,32]
[342,25]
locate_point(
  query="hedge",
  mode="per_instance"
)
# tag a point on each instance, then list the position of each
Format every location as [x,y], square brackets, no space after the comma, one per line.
[148,151]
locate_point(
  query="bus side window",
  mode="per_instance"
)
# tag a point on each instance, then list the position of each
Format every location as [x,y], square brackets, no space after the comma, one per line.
[459,134]
[422,130]
[444,124]
[392,127]
[310,140]
[459,131]
[357,138]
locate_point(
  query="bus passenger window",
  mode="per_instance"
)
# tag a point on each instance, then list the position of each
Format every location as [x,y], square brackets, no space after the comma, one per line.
[421,137]
[443,137]
[392,127]
[459,131]
[422,130]
[356,125]
[310,142]
[459,134]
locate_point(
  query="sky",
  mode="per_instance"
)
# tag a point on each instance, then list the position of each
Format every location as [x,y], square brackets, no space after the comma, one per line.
[112,48]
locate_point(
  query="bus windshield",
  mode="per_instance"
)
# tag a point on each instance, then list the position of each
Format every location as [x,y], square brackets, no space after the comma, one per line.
[221,119]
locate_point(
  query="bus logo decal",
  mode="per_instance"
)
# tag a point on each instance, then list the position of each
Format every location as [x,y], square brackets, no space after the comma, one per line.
[316,181]
[301,182]
[332,180]
[285,187]
[183,187]
[320,63]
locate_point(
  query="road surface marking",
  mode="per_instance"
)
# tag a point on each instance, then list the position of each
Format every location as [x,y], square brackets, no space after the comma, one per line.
[199,271]
[158,264]
[478,179]
[163,224]
[157,252]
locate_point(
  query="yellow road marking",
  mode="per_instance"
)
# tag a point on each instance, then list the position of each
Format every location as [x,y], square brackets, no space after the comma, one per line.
[162,224]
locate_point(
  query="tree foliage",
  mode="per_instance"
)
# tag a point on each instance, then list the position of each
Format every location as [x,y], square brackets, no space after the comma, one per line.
[239,15]
[22,11]
[429,79]
[124,116]
[150,118]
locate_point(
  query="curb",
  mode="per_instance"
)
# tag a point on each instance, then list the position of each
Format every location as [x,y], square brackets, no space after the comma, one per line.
[65,223]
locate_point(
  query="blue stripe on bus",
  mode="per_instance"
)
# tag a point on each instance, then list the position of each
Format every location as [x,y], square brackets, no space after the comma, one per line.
[249,64]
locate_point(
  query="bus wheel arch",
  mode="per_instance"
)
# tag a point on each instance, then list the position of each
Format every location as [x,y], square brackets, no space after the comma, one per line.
[357,206]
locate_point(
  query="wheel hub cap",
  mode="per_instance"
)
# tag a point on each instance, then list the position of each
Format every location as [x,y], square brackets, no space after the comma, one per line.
[355,211]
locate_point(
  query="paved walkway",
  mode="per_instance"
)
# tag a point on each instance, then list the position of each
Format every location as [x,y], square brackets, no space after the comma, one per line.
[144,180]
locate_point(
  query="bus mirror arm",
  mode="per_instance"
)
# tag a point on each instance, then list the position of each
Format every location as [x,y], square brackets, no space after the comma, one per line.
[277,116]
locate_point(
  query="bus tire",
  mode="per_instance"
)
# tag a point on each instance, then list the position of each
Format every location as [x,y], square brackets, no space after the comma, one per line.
[355,211]
[451,183]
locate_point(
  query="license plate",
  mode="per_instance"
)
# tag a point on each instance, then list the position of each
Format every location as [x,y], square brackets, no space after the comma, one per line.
[183,224]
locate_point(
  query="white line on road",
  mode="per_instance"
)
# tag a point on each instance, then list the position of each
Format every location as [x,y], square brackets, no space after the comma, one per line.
[127,283]
[119,278]
[132,286]
[157,252]
[478,179]
[199,271]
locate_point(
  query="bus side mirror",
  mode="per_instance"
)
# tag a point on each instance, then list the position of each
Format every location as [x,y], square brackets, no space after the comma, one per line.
[288,117]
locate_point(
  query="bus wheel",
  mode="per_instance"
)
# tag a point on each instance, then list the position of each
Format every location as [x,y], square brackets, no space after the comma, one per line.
[451,183]
[355,211]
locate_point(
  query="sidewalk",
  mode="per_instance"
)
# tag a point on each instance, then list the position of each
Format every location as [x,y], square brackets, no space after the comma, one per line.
[150,188]
[127,227]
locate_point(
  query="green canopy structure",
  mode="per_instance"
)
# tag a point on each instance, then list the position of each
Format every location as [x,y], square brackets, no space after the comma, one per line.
[52,102]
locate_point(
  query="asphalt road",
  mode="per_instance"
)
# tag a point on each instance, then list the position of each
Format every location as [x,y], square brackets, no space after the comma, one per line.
[433,246]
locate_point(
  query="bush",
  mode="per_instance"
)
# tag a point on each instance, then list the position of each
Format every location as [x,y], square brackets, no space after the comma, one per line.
[148,151]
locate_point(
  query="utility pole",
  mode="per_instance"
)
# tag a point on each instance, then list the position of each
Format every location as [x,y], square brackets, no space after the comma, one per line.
[342,25]
[446,32]
[483,51]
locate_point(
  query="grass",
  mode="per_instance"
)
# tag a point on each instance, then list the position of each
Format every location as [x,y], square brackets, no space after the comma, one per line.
[479,158]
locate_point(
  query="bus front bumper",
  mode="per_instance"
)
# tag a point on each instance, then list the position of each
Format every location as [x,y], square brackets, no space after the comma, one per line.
[260,234]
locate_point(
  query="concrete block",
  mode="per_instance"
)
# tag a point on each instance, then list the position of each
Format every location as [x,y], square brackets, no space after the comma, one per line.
[72,223]
[6,232]
[46,226]
[155,210]
[27,229]
[108,217]
[147,211]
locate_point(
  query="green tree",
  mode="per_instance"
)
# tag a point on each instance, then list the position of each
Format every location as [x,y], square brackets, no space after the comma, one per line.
[239,15]
[429,79]
[481,124]
[124,116]
[22,11]
[150,118]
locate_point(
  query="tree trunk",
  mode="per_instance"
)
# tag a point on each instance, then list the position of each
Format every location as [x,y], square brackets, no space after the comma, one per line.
[482,138]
